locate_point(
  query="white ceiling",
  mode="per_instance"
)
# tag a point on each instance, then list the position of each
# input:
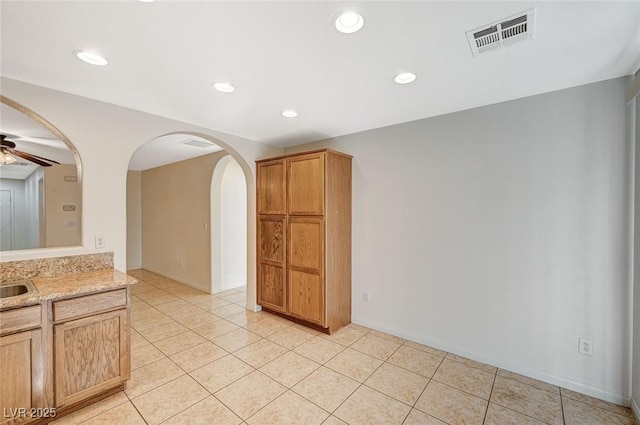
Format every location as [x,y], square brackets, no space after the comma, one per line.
[168,149]
[164,56]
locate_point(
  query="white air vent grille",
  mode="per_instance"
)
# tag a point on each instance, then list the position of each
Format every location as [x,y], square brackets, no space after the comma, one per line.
[20,164]
[198,143]
[503,33]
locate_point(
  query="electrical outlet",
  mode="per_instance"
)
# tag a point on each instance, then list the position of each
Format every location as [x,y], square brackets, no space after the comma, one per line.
[365,297]
[585,346]
[100,242]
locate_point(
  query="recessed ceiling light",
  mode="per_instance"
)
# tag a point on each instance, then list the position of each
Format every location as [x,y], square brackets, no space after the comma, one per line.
[405,78]
[91,58]
[223,87]
[146,1]
[289,113]
[349,22]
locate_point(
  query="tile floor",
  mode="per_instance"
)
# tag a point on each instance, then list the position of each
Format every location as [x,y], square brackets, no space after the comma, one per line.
[203,359]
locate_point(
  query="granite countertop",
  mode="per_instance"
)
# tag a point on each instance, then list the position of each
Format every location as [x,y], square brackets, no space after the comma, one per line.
[49,288]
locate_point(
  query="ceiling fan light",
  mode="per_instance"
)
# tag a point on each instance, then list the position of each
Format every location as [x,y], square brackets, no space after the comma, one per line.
[349,22]
[6,159]
[91,58]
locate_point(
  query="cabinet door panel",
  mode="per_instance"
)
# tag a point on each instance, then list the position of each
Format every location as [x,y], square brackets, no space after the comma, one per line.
[306,185]
[271,241]
[271,187]
[91,355]
[271,287]
[21,376]
[306,245]
[306,296]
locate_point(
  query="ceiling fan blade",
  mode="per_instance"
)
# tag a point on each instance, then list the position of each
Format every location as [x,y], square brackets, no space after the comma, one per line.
[6,143]
[29,158]
[43,158]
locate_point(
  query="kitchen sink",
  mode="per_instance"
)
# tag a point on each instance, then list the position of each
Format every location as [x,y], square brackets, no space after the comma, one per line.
[13,289]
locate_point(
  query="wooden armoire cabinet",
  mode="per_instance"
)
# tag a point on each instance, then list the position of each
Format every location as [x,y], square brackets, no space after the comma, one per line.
[304,237]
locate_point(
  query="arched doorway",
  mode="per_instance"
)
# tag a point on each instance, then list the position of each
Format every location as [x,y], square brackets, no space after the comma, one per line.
[228,226]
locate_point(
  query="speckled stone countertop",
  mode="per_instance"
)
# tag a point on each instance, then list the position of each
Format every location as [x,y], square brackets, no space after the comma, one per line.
[49,288]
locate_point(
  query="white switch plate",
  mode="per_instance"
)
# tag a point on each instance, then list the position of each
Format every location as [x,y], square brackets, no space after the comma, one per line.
[100,242]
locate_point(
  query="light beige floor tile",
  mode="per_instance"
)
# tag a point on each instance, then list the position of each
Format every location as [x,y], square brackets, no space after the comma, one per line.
[306,329]
[169,399]
[578,413]
[387,336]
[472,363]
[236,298]
[93,410]
[236,340]
[529,381]
[161,299]
[149,294]
[228,310]
[417,417]
[621,410]
[209,303]
[332,420]
[451,405]
[290,337]
[260,353]
[531,401]
[347,335]
[137,340]
[215,329]
[203,413]
[466,378]
[354,364]
[289,409]
[267,326]
[145,355]
[246,317]
[326,388]
[376,346]
[198,356]
[367,406]
[151,376]
[162,332]
[175,305]
[249,394]
[145,324]
[398,383]
[146,313]
[197,318]
[498,415]
[319,349]
[289,368]
[220,373]
[418,361]
[124,414]
[180,342]
[426,348]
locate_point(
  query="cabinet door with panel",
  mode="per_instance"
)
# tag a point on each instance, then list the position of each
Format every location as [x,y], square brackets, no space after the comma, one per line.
[22,377]
[306,264]
[272,291]
[91,355]
[306,184]
[272,187]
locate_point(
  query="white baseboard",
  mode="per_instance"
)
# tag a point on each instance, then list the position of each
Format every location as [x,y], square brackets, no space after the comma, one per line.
[636,410]
[559,381]
[176,278]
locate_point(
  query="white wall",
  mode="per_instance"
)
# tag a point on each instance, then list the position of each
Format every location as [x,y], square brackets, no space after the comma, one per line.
[635,391]
[106,136]
[134,220]
[501,233]
[234,226]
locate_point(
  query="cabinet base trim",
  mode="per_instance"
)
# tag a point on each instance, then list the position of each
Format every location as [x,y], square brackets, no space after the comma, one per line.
[313,326]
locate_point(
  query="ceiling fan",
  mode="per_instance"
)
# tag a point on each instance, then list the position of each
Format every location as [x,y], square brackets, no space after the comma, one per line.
[8,150]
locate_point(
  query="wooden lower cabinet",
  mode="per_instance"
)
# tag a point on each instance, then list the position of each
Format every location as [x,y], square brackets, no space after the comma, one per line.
[272,291]
[22,375]
[91,355]
[306,297]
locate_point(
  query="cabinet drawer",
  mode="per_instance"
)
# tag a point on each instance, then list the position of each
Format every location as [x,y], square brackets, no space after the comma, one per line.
[20,319]
[88,304]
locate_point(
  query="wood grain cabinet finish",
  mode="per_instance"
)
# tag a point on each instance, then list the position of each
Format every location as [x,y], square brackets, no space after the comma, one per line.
[304,251]
[22,363]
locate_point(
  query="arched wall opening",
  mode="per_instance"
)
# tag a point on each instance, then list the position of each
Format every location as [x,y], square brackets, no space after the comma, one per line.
[241,168]
[228,226]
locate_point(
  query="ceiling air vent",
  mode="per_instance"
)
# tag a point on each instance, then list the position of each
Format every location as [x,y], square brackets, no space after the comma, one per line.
[198,143]
[503,33]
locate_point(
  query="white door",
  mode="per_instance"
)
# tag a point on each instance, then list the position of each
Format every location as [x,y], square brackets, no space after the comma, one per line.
[6,220]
